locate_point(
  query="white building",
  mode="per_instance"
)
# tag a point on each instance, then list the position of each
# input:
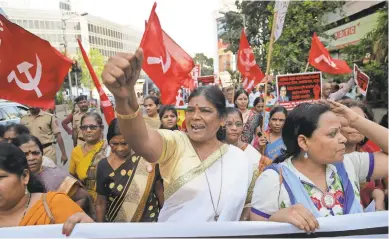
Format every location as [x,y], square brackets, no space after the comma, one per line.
[58,22]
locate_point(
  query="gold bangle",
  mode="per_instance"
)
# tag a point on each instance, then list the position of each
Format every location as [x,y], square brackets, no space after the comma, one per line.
[130,116]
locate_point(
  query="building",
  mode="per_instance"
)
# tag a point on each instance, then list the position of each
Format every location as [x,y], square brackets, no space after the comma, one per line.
[57,22]
[350,25]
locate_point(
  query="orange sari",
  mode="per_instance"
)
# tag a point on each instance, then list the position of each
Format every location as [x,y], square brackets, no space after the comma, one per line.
[61,207]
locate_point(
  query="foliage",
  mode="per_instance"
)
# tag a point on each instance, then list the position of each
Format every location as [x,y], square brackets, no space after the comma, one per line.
[290,52]
[236,77]
[374,43]
[205,63]
[97,61]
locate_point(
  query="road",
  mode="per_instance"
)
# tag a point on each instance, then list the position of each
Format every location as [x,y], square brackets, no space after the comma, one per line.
[68,140]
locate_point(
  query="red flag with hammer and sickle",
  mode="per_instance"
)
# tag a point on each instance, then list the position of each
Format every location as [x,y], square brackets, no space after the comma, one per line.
[320,58]
[251,73]
[108,111]
[165,62]
[31,70]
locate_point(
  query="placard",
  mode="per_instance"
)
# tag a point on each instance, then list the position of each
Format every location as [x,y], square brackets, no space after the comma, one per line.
[361,80]
[294,89]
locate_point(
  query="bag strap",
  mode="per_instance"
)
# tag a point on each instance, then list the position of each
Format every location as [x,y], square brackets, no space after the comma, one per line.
[47,208]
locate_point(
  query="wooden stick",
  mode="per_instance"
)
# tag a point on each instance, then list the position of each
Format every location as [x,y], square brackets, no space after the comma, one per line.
[268,68]
[306,68]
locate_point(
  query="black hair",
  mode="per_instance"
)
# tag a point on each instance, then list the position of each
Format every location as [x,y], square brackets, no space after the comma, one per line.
[278,109]
[238,93]
[384,120]
[302,120]
[216,97]
[25,138]
[258,100]
[13,161]
[167,108]
[2,131]
[18,128]
[153,98]
[366,110]
[113,129]
[94,115]
[81,98]
[232,110]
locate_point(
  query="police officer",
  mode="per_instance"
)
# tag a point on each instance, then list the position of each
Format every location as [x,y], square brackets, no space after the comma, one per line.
[82,103]
[44,126]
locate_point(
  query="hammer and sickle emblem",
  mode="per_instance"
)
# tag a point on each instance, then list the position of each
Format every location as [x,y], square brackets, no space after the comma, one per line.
[33,83]
[246,62]
[326,60]
[158,60]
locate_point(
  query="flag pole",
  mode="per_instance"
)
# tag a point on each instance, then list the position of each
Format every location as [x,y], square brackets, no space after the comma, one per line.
[268,67]
[306,68]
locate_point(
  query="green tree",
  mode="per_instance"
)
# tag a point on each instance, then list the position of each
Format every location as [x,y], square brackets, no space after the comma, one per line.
[371,54]
[97,61]
[205,63]
[290,52]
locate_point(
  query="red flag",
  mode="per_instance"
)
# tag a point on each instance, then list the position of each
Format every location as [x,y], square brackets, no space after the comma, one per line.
[108,111]
[320,58]
[247,65]
[165,62]
[188,82]
[31,70]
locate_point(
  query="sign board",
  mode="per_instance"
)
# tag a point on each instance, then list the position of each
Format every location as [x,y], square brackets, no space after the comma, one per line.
[361,80]
[352,32]
[294,89]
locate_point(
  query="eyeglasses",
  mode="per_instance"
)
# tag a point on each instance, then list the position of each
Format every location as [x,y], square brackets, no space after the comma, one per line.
[116,144]
[91,127]
[8,140]
[231,124]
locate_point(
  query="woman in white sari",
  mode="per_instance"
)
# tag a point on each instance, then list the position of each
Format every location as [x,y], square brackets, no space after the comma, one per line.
[202,180]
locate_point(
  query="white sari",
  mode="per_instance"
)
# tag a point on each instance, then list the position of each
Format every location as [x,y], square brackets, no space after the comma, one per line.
[187,196]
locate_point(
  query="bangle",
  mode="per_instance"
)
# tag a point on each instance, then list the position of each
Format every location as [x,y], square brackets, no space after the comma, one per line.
[129,116]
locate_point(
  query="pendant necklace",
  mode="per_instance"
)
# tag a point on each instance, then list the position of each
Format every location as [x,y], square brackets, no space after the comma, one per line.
[216,217]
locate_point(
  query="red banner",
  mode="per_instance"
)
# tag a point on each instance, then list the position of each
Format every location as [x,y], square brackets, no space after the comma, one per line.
[361,80]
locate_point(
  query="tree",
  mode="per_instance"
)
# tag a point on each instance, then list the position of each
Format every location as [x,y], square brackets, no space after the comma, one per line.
[290,52]
[97,61]
[371,54]
[205,63]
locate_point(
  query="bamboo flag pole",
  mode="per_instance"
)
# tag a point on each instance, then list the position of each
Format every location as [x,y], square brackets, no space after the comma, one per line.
[268,68]
[306,68]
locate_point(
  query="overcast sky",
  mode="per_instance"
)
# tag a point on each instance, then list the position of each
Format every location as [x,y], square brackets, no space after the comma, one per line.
[191,23]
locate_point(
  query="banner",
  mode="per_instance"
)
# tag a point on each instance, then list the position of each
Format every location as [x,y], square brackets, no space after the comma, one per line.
[361,80]
[368,225]
[294,89]
[281,7]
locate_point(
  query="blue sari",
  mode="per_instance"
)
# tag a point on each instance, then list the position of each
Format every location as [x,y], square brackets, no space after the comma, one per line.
[273,150]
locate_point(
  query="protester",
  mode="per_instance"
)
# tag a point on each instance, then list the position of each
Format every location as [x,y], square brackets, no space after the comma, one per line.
[270,142]
[14,130]
[85,157]
[252,96]
[251,119]
[168,116]
[151,104]
[259,104]
[45,127]
[54,179]
[23,197]
[315,155]
[372,190]
[69,119]
[82,103]
[188,162]
[126,190]
[326,92]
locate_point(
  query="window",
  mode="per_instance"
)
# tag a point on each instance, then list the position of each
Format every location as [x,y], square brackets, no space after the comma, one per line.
[31,24]
[89,27]
[12,112]
[36,24]
[3,115]
[47,25]
[41,25]
[22,110]
[58,25]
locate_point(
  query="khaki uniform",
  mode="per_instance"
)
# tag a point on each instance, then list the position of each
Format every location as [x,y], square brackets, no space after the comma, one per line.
[76,125]
[44,126]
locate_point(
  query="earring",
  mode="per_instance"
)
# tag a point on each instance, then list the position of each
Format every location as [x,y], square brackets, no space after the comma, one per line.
[26,191]
[305,155]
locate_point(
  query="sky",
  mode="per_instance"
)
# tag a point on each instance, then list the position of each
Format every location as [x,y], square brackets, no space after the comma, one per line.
[191,23]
